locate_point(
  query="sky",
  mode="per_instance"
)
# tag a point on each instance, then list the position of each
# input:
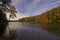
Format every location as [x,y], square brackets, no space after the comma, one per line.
[28,8]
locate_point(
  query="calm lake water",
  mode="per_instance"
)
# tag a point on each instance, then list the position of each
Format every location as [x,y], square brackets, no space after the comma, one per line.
[18,25]
[29,31]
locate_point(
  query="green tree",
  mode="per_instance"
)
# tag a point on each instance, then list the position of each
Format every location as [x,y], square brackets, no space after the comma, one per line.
[3,22]
[4,6]
[53,18]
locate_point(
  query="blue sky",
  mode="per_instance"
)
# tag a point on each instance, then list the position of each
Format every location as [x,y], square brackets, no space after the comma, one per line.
[34,7]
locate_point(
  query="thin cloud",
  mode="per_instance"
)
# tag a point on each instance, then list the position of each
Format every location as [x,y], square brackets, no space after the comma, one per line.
[35,1]
[34,7]
[47,5]
[30,6]
[45,9]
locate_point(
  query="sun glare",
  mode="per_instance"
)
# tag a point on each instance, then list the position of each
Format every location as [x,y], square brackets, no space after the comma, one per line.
[16,18]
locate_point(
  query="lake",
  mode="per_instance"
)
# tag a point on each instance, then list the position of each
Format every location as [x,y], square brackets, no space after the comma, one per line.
[29,31]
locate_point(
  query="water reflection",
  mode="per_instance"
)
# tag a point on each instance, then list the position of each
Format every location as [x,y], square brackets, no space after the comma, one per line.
[28,31]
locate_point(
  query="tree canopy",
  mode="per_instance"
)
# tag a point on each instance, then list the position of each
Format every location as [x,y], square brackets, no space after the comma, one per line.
[5,6]
[3,22]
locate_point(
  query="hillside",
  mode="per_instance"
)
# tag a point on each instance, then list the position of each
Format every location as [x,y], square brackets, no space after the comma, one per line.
[42,18]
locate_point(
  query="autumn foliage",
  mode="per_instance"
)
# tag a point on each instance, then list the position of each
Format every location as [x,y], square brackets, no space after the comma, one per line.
[44,18]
